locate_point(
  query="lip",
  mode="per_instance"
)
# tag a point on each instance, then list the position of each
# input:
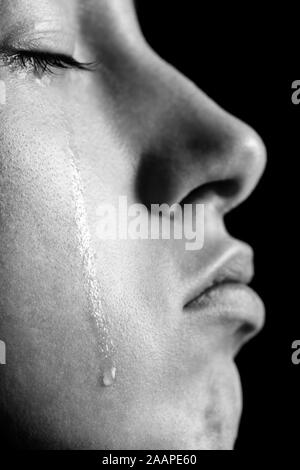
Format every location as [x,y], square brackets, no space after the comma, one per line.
[231,302]
[233,265]
[222,289]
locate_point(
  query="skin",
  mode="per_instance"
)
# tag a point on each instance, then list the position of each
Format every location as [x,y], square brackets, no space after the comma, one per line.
[68,142]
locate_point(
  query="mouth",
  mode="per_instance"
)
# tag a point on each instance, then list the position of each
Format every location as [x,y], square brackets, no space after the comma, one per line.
[222,289]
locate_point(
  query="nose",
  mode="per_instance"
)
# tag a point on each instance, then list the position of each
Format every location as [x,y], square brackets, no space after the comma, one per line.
[192,149]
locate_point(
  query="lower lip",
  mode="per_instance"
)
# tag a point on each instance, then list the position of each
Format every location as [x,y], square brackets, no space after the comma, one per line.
[230,301]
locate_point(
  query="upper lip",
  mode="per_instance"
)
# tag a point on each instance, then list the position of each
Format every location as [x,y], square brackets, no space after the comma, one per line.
[233,265]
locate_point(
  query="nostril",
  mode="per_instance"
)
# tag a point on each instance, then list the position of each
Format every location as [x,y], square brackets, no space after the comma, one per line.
[156,180]
[222,189]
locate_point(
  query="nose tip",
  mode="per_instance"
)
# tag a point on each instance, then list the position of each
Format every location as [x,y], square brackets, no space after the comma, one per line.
[194,149]
[242,161]
[249,157]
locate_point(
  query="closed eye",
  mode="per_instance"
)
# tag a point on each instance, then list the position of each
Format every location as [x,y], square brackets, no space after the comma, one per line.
[41,63]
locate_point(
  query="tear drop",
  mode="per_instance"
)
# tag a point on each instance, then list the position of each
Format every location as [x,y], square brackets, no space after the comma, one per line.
[109,377]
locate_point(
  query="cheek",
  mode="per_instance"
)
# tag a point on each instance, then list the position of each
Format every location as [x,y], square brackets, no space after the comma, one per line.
[50,304]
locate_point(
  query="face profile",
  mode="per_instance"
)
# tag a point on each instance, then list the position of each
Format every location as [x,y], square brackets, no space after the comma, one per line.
[125,341]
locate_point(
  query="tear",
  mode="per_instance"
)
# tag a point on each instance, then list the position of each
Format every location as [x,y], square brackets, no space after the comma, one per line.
[2,93]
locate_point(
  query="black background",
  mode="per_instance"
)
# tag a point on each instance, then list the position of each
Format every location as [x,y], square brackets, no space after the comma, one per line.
[240,59]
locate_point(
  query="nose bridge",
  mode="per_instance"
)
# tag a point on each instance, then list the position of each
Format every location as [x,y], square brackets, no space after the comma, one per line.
[192,142]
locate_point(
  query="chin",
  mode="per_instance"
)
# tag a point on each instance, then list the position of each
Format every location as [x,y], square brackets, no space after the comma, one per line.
[217,435]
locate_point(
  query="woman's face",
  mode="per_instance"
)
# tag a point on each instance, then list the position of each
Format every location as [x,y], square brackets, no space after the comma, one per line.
[107,342]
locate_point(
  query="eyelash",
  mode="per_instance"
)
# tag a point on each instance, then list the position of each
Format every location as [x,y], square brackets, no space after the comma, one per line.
[42,63]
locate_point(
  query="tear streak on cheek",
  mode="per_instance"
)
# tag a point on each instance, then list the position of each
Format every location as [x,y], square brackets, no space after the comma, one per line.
[43,82]
[2,93]
[91,282]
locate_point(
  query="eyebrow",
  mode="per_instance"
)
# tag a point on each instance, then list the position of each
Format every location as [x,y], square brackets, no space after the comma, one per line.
[28,33]
[13,21]
[17,17]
